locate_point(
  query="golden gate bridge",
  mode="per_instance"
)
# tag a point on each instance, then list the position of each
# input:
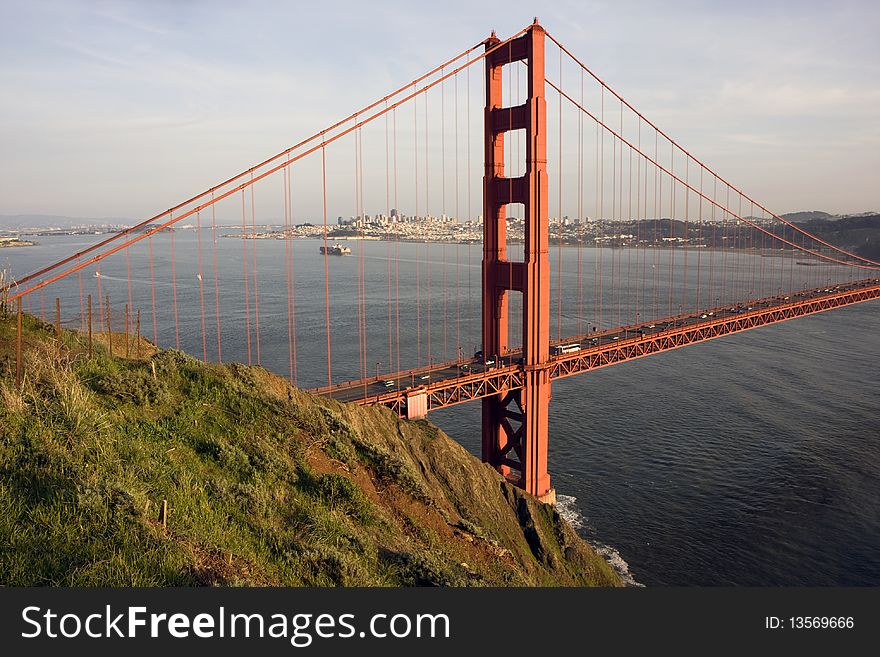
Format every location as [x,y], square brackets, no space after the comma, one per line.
[672,255]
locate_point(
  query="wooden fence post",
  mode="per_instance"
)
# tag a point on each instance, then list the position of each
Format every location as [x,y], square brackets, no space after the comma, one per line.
[19,364]
[90,326]
[58,324]
[109,327]
[163,514]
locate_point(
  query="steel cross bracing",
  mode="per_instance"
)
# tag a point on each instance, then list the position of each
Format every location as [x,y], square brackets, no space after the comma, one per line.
[459,388]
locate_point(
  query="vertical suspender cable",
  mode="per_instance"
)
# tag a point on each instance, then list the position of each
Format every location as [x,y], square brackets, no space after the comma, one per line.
[559,216]
[256,286]
[245,276]
[427,219]
[640,249]
[791,264]
[600,164]
[417,219]
[619,251]
[740,255]
[362,254]
[396,252]
[700,242]
[153,293]
[616,211]
[761,292]
[174,291]
[628,241]
[388,237]
[658,204]
[457,231]
[471,310]
[622,240]
[326,258]
[359,222]
[726,242]
[100,297]
[671,226]
[82,308]
[128,277]
[201,285]
[753,274]
[288,272]
[712,264]
[684,278]
[292,275]
[580,215]
[216,279]
[443,212]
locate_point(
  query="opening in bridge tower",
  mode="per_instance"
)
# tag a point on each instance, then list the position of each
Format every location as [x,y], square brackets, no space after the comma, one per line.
[515,433]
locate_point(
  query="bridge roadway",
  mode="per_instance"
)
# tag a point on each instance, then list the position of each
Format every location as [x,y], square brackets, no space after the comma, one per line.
[449,383]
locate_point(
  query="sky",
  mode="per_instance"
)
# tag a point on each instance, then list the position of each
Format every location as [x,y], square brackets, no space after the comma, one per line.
[122,109]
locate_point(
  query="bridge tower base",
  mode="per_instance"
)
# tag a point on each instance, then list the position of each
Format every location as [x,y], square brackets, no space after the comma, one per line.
[515,422]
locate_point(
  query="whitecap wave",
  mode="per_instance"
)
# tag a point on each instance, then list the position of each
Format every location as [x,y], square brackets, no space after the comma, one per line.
[568,509]
[620,566]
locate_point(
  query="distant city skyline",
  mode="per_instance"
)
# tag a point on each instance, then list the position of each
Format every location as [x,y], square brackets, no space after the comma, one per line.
[121,109]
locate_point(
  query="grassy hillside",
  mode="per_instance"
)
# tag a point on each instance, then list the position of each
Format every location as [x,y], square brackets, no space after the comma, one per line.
[265,485]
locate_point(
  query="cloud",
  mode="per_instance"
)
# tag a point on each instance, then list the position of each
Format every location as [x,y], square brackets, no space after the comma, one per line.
[232,79]
[755,140]
[117,14]
[94,54]
[764,98]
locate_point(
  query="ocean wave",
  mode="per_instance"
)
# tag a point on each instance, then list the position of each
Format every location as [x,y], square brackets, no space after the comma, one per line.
[620,566]
[568,509]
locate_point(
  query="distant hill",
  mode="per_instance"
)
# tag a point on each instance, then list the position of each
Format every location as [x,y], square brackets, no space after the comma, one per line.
[858,233]
[809,215]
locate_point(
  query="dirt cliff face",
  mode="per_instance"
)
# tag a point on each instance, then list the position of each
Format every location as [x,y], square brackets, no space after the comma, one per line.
[263,484]
[491,532]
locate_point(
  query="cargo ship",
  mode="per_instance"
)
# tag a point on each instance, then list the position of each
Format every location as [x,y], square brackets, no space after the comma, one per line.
[335,249]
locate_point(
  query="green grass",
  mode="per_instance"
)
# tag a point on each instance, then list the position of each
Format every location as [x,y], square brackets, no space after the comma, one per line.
[264,484]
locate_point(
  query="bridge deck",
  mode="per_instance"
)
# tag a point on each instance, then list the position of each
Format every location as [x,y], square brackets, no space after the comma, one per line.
[451,383]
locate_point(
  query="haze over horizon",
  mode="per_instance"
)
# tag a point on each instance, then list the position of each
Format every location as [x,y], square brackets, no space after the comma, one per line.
[35,221]
[121,109]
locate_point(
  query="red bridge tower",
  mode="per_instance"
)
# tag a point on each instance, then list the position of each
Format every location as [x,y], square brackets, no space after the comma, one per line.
[515,433]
